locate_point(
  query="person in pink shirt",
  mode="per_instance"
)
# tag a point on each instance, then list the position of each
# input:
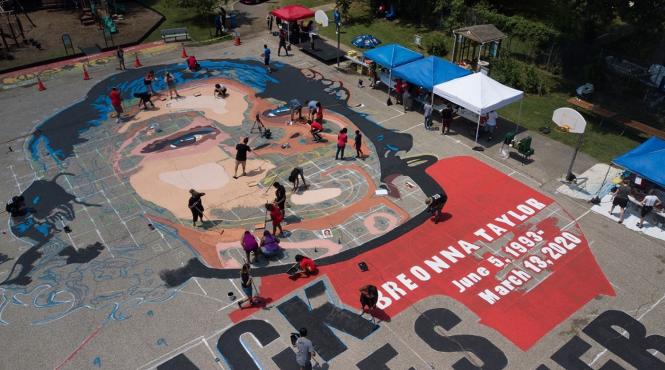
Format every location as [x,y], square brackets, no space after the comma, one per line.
[116,102]
[342,138]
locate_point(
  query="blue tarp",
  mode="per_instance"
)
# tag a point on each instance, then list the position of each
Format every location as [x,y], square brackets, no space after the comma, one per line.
[429,72]
[646,160]
[392,55]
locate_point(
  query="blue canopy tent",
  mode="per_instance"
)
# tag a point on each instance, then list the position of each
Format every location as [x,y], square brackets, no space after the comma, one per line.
[646,160]
[429,72]
[391,56]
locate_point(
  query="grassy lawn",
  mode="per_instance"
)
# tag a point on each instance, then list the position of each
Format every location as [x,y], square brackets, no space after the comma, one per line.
[601,142]
[199,29]
[363,23]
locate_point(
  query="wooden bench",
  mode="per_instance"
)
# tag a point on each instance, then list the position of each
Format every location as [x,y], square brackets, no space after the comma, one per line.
[639,126]
[594,108]
[174,34]
[609,115]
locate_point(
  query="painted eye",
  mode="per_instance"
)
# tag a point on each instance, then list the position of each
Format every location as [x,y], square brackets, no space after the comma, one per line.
[181,139]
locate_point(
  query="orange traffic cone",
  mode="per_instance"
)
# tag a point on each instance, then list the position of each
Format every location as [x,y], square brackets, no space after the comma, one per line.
[40,85]
[184,53]
[86,76]
[237,42]
[137,62]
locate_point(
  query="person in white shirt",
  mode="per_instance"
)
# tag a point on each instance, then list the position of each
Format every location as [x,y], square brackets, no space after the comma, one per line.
[490,125]
[648,203]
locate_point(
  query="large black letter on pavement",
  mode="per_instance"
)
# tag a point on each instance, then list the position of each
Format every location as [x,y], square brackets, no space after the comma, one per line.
[316,321]
[492,357]
[634,348]
[232,350]
[568,356]
[378,359]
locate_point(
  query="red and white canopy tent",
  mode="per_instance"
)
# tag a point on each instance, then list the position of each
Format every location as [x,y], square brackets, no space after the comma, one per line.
[292,13]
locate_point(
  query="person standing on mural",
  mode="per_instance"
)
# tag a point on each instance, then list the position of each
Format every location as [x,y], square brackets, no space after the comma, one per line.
[304,350]
[435,204]
[170,83]
[276,218]
[342,138]
[280,197]
[147,81]
[246,283]
[358,143]
[266,57]
[120,54]
[241,157]
[116,102]
[195,205]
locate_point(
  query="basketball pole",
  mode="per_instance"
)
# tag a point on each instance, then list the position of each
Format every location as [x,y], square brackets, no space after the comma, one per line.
[570,176]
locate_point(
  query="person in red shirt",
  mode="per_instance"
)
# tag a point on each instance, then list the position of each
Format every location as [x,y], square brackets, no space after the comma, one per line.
[342,138]
[315,128]
[319,113]
[193,64]
[307,265]
[276,217]
[116,102]
[399,90]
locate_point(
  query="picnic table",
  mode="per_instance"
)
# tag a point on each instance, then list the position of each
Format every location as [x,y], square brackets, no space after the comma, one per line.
[606,114]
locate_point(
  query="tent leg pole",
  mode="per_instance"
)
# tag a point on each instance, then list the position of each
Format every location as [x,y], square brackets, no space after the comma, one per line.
[596,199]
[478,147]
[519,117]
[390,80]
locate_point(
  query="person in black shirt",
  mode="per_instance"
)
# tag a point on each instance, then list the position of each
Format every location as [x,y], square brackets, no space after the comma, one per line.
[358,143]
[241,157]
[246,284]
[435,204]
[196,205]
[145,98]
[446,119]
[280,196]
[295,176]
[369,296]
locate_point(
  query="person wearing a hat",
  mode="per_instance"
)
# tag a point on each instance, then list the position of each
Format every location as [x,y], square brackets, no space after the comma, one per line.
[435,204]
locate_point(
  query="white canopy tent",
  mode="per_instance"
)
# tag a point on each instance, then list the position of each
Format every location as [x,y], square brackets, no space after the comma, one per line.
[478,93]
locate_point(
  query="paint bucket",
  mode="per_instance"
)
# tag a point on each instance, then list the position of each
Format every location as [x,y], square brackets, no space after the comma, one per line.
[232,296]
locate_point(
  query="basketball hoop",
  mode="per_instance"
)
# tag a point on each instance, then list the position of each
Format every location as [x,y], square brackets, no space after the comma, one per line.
[564,128]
